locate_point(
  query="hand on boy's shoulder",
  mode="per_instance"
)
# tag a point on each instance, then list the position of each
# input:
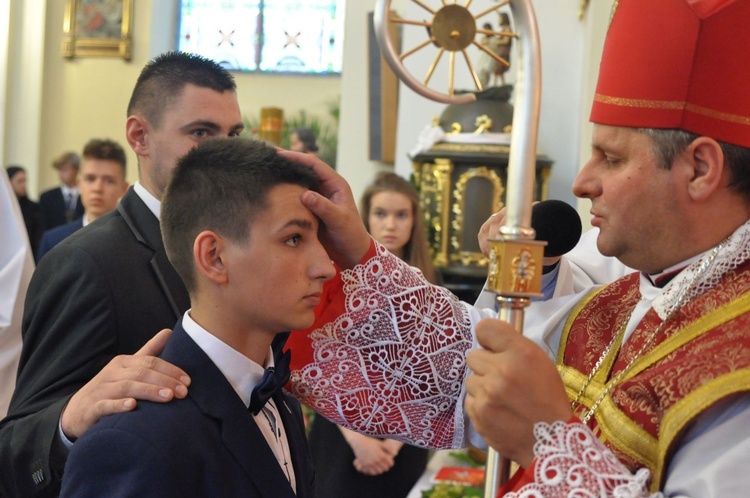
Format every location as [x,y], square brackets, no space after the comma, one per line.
[125,379]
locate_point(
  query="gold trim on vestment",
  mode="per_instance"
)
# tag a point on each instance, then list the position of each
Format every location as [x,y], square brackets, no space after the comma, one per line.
[672,105]
[706,323]
[624,433]
[569,322]
[683,412]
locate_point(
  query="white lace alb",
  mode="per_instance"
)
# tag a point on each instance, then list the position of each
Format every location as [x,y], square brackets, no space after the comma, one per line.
[572,462]
[735,250]
[394,364]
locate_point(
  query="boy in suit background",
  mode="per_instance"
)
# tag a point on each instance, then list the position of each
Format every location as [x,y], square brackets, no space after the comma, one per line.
[62,204]
[247,249]
[101,184]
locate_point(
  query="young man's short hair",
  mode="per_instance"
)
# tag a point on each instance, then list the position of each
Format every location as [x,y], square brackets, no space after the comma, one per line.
[222,185]
[67,158]
[105,149]
[161,82]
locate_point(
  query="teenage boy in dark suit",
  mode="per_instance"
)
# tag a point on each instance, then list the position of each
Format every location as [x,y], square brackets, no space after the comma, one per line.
[105,291]
[246,247]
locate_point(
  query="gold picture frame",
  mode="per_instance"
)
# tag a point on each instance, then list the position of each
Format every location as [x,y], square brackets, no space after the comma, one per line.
[98,28]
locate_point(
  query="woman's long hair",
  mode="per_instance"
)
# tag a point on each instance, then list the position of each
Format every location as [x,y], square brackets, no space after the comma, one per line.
[416,251]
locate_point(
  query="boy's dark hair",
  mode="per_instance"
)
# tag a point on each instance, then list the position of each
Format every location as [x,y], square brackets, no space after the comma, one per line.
[98,148]
[162,80]
[222,185]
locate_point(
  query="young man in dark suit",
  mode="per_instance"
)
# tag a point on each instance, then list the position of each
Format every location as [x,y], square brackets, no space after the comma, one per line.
[234,228]
[61,205]
[101,183]
[104,291]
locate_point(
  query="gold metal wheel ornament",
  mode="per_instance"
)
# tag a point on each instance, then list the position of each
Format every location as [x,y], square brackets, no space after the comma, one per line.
[453,28]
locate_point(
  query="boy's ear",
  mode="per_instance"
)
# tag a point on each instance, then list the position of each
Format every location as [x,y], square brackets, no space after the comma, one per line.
[208,254]
[707,160]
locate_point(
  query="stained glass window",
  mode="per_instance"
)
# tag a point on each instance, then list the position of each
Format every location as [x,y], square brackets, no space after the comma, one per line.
[300,36]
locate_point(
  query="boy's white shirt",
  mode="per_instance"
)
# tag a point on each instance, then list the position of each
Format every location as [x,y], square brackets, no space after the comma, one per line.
[244,374]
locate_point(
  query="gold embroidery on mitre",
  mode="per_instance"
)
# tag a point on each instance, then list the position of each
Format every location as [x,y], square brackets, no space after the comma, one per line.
[722,116]
[672,105]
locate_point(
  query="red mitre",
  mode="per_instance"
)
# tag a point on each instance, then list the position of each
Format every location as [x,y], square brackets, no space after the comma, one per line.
[677,64]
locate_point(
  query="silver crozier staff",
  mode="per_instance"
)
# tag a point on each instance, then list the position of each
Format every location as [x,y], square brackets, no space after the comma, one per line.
[515,269]
[516,258]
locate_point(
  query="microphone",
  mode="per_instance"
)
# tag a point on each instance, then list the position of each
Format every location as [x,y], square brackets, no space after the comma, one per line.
[559,224]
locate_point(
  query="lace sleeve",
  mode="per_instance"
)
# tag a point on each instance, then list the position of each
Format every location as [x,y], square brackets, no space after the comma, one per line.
[394,363]
[572,462]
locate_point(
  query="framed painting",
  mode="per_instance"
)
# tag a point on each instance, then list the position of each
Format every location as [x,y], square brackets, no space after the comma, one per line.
[97,28]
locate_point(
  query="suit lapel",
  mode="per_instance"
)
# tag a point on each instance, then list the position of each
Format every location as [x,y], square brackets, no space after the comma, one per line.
[213,394]
[145,228]
[291,417]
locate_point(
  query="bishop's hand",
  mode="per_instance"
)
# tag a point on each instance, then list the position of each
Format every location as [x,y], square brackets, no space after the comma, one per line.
[513,385]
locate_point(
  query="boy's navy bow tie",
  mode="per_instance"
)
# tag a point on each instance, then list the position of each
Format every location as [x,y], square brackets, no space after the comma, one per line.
[273,380]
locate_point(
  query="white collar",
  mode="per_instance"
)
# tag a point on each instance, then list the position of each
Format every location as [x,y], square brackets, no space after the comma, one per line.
[705,271]
[152,203]
[241,372]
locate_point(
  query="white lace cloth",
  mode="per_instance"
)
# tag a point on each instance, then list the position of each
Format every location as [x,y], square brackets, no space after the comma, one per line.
[705,273]
[572,462]
[395,363]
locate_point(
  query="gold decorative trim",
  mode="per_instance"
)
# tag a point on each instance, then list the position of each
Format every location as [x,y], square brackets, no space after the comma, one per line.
[76,43]
[472,148]
[470,258]
[435,187]
[640,103]
[614,425]
[569,322]
[672,105]
[684,411]
[704,324]
[627,435]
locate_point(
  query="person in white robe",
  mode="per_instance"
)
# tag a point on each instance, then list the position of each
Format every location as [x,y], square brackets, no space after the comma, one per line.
[16,267]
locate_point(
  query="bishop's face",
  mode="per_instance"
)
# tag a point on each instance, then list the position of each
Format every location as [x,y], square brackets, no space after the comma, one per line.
[635,202]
